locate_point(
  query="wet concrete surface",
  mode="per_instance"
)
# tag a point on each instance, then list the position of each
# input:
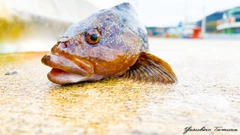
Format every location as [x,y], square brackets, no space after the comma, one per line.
[207,94]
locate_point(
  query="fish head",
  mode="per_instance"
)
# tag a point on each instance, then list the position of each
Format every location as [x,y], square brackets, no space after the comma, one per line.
[103,45]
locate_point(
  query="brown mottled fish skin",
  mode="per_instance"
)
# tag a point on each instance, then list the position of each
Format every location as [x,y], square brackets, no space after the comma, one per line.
[78,57]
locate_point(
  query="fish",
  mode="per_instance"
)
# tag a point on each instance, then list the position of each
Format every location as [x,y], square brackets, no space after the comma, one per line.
[111,43]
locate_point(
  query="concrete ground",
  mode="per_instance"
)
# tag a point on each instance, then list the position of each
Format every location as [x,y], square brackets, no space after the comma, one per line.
[207,96]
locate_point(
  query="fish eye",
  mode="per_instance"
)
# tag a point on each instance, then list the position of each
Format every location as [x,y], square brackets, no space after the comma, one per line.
[93,37]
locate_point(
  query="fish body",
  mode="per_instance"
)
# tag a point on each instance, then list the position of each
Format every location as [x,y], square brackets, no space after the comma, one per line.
[109,43]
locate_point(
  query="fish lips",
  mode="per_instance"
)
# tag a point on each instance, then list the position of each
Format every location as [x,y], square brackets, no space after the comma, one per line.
[65,70]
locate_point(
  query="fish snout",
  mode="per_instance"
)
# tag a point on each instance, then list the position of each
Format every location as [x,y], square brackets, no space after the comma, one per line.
[64,64]
[45,59]
[60,47]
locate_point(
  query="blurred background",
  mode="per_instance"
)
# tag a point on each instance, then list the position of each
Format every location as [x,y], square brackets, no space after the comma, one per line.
[35,25]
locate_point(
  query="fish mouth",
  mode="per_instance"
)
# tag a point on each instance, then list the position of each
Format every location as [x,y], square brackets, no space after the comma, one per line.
[66,70]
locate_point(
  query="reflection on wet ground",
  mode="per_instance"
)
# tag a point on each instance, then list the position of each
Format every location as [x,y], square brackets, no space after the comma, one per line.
[207,95]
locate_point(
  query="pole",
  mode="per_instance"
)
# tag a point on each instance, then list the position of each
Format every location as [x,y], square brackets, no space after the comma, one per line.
[203,28]
[184,23]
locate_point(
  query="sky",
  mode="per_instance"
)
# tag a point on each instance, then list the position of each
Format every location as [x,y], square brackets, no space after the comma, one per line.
[164,13]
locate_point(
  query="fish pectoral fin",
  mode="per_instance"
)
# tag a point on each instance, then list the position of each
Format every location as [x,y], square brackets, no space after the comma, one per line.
[150,69]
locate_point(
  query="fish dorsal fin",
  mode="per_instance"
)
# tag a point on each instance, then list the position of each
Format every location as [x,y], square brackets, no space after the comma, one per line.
[150,69]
